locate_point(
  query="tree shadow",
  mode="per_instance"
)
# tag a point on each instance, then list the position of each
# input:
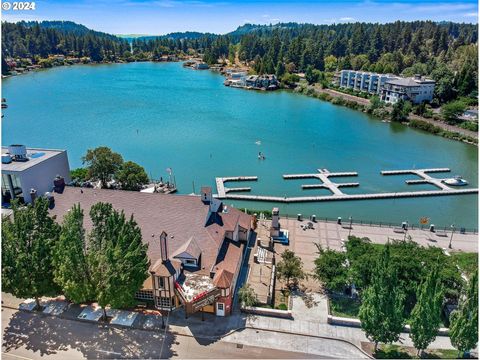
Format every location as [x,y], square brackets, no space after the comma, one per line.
[49,335]
[208,328]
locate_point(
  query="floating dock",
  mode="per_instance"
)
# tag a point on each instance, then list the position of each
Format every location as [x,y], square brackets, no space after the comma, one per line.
[337,195]
[391,195]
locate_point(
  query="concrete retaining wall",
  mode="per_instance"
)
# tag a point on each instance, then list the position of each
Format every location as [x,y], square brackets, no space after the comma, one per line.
[341,321]
[284,314]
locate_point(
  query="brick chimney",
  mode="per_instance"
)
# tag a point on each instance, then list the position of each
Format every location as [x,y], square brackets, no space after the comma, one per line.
[163,246]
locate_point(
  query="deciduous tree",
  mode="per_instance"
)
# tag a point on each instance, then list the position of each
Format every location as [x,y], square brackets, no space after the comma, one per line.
[290,267]
[464,321]
[426,315]
[102,163]
[381,312]
[131,176]
[28,239]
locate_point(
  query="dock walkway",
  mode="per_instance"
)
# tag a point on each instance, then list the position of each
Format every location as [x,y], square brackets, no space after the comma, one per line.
[323,175]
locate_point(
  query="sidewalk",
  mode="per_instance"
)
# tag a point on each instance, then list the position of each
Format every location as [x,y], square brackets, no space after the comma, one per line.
[310,322]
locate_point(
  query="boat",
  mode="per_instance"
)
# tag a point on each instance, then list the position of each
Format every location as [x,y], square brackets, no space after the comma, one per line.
[455,181]
[258,142]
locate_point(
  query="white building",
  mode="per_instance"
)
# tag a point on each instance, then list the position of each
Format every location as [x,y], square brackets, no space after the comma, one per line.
[363,80]
[416,89]
[24,169]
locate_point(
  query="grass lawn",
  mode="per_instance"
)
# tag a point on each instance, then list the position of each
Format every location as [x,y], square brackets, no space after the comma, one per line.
[344,307]
[467,262]
[405,352]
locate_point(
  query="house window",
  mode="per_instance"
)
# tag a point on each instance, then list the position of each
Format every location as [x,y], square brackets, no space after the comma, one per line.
[165,302]
[190,262]
[144,295]
[220,306]
[225,292]
[161,282]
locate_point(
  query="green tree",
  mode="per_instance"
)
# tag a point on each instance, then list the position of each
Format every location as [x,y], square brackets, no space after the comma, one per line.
[400,110]
[117,257]
[79,174]
[381,312]
[290,268]
[426,315]
[464,321]
[310,75]
[452,110]
[102,163]
[375,103]
[247,296]
[28,239]
[331,63]
[279,69]
[331,269]
[71,271]
[131,176]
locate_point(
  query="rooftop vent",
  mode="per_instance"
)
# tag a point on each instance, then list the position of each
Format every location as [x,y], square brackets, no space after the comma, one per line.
[18,152]
[6,159]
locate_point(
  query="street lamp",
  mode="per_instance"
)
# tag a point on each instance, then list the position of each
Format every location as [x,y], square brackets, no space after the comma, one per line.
[350,228]
[451,237]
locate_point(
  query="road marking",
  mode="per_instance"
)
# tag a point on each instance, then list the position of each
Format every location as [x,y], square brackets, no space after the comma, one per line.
[110,352]
[17,356]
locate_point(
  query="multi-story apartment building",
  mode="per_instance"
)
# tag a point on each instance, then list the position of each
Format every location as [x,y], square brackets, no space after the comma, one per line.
[416,89]
[363,80]
[389,87]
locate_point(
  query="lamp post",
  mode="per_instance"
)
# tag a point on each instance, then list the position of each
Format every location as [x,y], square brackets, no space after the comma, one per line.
[350,227]
[451,236]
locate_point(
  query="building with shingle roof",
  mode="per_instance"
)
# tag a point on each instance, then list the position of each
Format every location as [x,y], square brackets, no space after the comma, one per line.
[199,237]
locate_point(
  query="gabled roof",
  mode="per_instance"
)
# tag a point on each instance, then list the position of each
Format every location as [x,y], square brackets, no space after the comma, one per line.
[167,268]
[189,249]
[223,279]
[180,216]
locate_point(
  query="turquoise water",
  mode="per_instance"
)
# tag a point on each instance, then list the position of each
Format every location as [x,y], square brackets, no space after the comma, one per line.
[189,121]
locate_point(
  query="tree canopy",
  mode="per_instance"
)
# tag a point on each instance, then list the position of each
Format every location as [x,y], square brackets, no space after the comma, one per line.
[131,176]
[102,163]
[290,267]
[28,240]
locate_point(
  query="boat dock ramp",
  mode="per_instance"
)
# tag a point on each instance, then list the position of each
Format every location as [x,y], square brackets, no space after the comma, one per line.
[323,175]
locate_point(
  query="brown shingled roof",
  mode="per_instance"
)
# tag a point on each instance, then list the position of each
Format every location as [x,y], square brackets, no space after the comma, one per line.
[180,216]
[223,279]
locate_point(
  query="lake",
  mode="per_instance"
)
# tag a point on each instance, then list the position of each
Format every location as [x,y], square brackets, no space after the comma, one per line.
[161,115]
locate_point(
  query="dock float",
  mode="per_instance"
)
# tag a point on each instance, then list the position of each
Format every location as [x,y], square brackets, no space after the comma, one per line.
[391,195]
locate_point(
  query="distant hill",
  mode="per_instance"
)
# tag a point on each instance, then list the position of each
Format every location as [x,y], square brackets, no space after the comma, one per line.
[67,27]
[249,28]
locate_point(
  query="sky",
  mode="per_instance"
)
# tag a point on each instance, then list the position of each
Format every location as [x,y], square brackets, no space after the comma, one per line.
[158,17]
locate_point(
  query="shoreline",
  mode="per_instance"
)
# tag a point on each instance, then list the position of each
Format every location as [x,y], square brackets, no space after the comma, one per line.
[429,126]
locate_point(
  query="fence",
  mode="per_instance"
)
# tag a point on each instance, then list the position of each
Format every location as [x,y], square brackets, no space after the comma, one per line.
[346,221]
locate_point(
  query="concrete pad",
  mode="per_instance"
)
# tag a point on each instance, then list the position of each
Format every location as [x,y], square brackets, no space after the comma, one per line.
[121,317]
[152,322]
[91,314]
[55,307]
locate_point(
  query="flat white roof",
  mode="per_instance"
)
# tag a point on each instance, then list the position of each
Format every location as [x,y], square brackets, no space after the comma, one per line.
[35,156]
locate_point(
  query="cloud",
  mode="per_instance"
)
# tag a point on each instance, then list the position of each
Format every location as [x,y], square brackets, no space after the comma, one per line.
[471,14]
[347,19]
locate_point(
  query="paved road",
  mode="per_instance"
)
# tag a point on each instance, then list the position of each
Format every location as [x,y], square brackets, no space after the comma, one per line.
[36,336]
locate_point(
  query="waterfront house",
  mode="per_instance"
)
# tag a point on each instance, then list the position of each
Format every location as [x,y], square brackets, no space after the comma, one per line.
[416,89]
[261,82]
[195,244]
[30,172]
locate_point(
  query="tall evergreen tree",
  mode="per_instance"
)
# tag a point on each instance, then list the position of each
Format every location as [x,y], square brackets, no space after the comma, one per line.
[464,321]
[28,239]
[426,315]
[381,312]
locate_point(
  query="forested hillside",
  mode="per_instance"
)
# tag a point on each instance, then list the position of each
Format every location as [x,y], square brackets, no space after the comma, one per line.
[445,51]
[42,39]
